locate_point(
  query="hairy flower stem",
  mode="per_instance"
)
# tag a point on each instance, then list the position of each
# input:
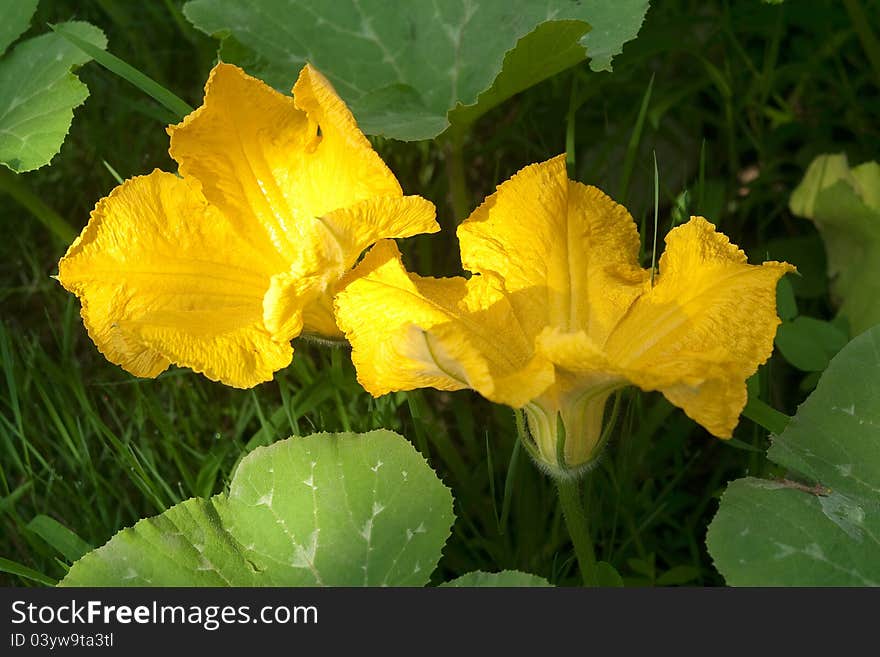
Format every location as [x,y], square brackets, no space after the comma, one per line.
[576,521]
[570,501]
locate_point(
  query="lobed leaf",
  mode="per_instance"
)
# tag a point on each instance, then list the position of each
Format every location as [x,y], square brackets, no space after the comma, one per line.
[38,93]
[505,578]
[15,17]
[409,67]
[325,510]
[819,526]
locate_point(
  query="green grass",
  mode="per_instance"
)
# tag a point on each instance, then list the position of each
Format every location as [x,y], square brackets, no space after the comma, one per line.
[736,87]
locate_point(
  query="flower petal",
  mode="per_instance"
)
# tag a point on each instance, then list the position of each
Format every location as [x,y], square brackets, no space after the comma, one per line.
[160,283]
[576,353]
[411,332]
[259,155]
[704,328]
[603,254]
[568,250]
[343,168]
[289,294]
[302,298]
[237,145]
[354,228]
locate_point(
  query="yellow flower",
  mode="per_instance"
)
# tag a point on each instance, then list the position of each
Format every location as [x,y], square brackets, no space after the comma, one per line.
[218,269]
[559,314]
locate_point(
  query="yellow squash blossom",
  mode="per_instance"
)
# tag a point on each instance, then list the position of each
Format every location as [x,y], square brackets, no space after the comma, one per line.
[219,268]
[559,314]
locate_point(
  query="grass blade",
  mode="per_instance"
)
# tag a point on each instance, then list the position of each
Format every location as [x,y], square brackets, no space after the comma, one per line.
[509,483]
[570,129]
[14,568]
[656,218]
[765,416]
[15,186]
[632,148]
[113,172]
[862,25]
[59,537]
[491,468]
[130,74]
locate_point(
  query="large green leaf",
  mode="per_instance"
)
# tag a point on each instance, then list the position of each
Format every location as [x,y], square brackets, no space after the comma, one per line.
[15,17]
[844,203]
[38,92]
[506,578]
[404,65]
[327,510]
[808,343]
[819,526]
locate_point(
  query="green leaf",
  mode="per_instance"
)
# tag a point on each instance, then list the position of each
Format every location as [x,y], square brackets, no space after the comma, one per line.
[550,48]
[607,575]
[15,17]
[506,578]
[807,253]
[819,526]
[786,304]
[403,66]
[38,93]
[678,576]
[642,566]
[59,537]
[844,203]
[328,510]
[809,344]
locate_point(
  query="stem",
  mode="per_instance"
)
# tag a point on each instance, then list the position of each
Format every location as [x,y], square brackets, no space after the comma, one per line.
[324,341]
[21,193]
[458,193]
[576,521]
[570,501]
